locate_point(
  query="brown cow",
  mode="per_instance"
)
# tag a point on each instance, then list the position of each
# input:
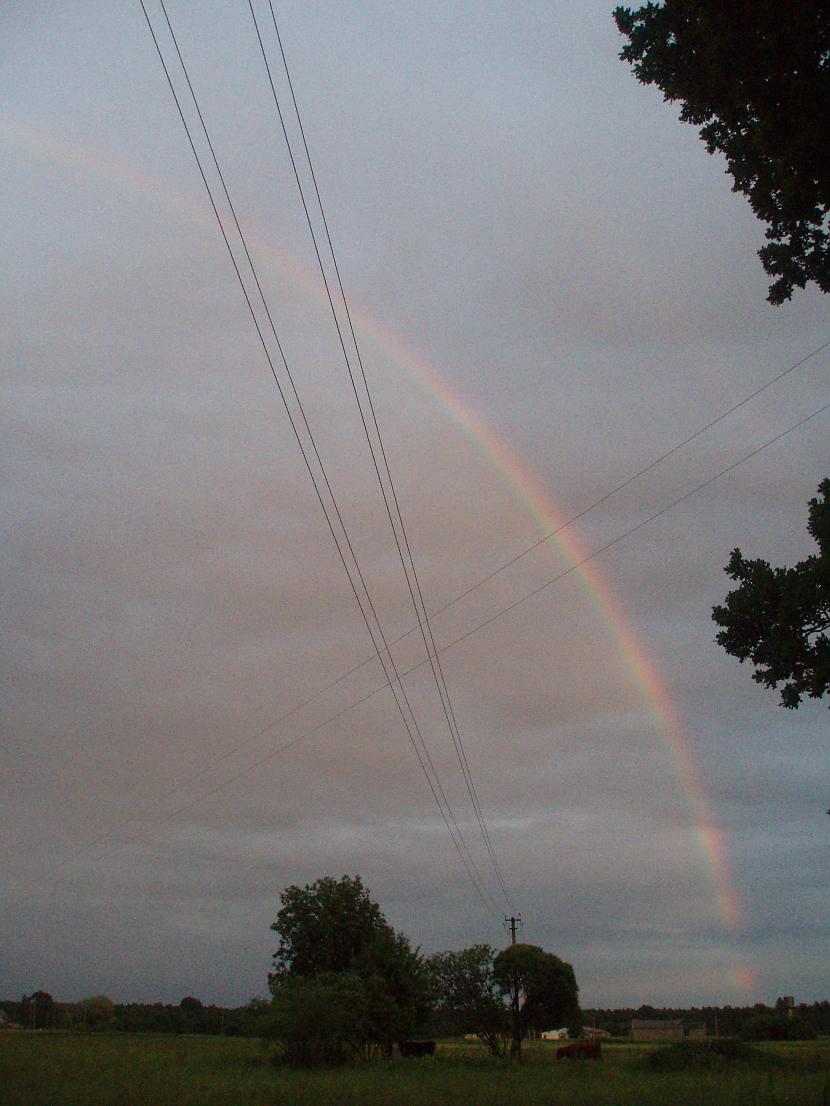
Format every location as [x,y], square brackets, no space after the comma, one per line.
[580,1050]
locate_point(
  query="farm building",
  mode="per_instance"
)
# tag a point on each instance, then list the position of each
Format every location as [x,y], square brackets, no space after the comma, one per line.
[643,1029]
[554,1035]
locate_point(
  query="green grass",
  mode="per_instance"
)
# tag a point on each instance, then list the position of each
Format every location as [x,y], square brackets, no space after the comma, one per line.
[53,1069]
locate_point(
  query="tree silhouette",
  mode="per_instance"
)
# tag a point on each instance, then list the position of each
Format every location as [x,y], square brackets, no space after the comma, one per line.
[778,618]
[753,75]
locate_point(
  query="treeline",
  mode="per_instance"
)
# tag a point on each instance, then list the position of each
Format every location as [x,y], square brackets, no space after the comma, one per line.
[101,1014]
[191,1016]
[346,986]
[727,1021]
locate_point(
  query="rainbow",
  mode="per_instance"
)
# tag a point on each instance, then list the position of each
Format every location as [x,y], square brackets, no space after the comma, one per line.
[526,488]
[509,467]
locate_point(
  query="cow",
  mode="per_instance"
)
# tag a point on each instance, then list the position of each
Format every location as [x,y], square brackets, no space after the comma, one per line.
[580,1050]
[416,1048]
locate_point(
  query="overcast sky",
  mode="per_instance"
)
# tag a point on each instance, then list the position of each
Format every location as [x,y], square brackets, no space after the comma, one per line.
[511,209]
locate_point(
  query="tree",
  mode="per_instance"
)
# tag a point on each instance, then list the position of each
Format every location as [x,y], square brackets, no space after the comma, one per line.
[468,996]
[778,618]
[540,988]
[37,1011]
[325,927]
[332,928]
[193,1014]
[26,1012]
[95,1011]
[753,75]
[400,997]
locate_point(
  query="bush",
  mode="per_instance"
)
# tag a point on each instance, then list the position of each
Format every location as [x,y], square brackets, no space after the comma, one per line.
[684,1055]
[320,1021]
[775,1027]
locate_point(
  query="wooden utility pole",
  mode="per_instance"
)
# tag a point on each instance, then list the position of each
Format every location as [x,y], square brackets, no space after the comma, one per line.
[514,921]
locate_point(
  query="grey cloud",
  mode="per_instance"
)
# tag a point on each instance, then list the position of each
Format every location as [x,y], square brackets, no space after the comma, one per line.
[540,229]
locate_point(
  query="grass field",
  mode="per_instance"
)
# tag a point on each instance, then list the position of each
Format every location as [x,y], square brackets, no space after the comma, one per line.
[53,1069]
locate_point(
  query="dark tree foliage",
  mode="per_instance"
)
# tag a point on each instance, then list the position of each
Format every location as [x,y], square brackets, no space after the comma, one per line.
[37,1011]
[26,1014]
[325,927]
[776,1027]
[322,1020]
[95,1012]
[136,1017]
[335,938]
[397,986]
[754,76]
[724,1021]
[468,997]
[541,991]
[778,618]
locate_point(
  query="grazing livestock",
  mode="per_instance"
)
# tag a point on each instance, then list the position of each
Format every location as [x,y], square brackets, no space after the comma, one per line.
[580,1050]
[416,1048]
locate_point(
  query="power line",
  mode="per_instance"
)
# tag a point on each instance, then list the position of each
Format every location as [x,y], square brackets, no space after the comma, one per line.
[633,530]
[236,748]
[394,681]
[378,454]
[439,677]
[507,564]
[153,806]
[441,795]
[498,614]
[630,480]
[568,522]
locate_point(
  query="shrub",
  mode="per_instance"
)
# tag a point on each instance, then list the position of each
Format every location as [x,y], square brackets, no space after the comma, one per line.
[683,1055]
[775,1027]
[321,1021]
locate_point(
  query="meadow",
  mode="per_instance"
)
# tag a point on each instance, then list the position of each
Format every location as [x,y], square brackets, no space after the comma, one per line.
[64,1069]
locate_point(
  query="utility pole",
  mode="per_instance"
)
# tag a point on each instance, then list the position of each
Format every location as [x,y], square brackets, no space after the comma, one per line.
[513,922]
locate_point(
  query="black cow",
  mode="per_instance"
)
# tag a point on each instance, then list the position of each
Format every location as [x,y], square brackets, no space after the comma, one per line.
[416,1048]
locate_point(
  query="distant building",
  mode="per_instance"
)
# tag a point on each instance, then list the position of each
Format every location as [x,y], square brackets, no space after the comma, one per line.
[696,1029]
[554,1035]
[644,1029]
[593,1033]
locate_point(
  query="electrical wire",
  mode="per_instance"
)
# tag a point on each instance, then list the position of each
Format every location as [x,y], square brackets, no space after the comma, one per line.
[251,739]
[386,652]
[492,618]
[394,681]
[89,845]
[378,454]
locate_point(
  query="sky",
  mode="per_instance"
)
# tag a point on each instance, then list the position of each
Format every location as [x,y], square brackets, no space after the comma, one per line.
[552,286]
